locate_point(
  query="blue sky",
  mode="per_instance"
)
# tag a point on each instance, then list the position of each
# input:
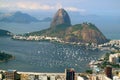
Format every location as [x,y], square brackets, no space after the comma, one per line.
[97,7]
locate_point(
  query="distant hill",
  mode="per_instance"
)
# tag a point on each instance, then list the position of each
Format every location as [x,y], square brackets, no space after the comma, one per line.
[86,33]
[18,17]
[5,33]
[61,27]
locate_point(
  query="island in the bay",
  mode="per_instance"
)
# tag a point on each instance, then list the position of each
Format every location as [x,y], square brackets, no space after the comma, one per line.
[61,30]
[5,56]
[5,33]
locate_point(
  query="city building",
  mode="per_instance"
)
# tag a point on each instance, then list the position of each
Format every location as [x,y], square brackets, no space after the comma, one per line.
[12,75]
[119,74]
[36,77]
[52,77]
[24,76]
[60,77]
[108,71]
[116,73]
[80,78]
[31,77]
[70,74]
[44,77]
[98,77]
[114,58]
[116,78]
[1,76]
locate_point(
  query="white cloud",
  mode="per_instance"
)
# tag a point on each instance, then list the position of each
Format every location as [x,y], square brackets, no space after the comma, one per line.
[58,6]
[33,6]
[25,6]
[75,9]
[72,9]
[36,6]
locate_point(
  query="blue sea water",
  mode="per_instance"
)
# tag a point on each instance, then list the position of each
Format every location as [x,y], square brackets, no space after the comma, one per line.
[46,56]
[110,28]
[20,28]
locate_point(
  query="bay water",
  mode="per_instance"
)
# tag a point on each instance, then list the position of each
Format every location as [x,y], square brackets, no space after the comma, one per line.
[34,56]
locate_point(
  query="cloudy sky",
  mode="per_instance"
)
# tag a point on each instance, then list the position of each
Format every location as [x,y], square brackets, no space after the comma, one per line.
[98,7]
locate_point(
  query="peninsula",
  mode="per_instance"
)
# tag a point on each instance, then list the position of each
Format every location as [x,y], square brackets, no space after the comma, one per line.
[61,30]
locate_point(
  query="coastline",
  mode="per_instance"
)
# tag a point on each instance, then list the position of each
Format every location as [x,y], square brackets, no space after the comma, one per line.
[112,45]
[50,42]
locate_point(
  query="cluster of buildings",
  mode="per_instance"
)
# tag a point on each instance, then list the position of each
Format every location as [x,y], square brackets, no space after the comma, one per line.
[46,38]
[14,75]
[68,75]
[114,58]
[36,38]
[54,39]
[111,45]
[109,72]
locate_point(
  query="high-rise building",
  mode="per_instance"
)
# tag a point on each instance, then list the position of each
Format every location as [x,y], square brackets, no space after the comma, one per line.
[70,74]
[114,58]
[108,71]
[24,76]
[12,75]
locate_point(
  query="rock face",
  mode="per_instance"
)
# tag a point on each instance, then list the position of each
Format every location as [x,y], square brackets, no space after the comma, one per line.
[61,17]
[61,28]
[86,33]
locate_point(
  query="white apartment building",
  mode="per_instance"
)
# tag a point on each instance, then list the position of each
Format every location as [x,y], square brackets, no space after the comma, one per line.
[114,58]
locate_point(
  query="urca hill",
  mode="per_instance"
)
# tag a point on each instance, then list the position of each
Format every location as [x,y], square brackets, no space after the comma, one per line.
[61,27]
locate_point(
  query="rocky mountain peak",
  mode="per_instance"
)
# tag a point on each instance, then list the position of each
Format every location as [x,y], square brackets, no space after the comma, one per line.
[61,17]
[61,27]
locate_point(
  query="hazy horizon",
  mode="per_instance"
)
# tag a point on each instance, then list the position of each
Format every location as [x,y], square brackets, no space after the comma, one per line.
[84,7]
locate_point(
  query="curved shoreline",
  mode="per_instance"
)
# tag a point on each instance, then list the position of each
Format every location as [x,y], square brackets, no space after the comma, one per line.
[93,46]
